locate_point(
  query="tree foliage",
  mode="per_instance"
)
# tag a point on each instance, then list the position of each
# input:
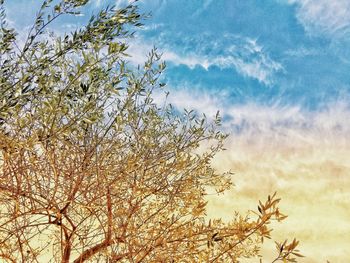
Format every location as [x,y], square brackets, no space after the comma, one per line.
[92,169]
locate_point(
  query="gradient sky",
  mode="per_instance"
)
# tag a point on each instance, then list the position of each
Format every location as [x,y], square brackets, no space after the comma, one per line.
[278,71]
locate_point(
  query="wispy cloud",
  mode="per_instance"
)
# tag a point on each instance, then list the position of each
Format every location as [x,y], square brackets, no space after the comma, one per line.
[302,52]
[120,3]
[193,99]
[138,51]
[261,68]
[97,3]
[325,16]
[274,123]
[191,60]
[244,55]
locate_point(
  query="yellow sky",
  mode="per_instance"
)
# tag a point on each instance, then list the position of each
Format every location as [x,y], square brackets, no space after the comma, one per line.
[313,180]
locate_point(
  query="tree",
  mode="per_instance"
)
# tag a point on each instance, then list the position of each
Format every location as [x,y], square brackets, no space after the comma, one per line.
[92,169]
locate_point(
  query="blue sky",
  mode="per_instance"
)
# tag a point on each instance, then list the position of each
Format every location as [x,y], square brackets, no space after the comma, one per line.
[289,52]
[256,51]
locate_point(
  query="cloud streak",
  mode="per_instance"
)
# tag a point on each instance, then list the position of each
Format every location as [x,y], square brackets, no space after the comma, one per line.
[328,17]
[278,122]
[244,55]
[121,3]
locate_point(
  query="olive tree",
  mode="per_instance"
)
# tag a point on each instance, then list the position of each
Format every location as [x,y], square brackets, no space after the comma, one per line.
[92,169]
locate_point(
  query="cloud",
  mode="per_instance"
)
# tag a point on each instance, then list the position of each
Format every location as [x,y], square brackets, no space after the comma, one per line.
[120,3]
[278,124]
[261,69]
[302,52]
[244,55]
[193,99]
[138,51]
[97,3]
[191,60]
[323,16]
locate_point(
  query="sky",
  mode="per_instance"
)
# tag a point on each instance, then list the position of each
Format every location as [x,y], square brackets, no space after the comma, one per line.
[278,71]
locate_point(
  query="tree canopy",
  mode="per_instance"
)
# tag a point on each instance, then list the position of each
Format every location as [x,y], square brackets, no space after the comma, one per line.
[92,169]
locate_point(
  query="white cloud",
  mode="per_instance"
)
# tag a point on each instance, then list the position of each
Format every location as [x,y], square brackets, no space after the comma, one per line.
[326,16]
[120,3]
[98,2]
[193,99]
[302,52]
[261,69]
[276,124]
[191,61]
[244,55]
[138,51]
